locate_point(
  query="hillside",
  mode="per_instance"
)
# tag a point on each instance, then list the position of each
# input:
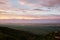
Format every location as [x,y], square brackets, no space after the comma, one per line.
[13,34]
[38,29]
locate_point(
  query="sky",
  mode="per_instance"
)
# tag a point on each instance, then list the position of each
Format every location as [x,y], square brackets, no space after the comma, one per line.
[29,9]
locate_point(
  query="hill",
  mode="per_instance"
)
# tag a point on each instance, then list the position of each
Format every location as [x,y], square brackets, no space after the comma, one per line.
[12,34]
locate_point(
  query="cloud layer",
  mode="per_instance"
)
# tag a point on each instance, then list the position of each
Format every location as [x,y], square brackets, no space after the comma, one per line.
[40,2]
[32,9]
[5,4]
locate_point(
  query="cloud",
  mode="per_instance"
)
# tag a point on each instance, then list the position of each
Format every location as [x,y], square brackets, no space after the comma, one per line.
[5,16]
[37,4]
[2,3]
[43,7]
[39,8]
[40,2]
[28,14]
[5,4]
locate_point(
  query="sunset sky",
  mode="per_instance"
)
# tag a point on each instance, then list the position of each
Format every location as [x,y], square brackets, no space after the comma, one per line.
[29,9]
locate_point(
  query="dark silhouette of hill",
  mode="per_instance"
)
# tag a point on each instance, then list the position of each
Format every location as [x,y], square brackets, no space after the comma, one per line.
[12,34]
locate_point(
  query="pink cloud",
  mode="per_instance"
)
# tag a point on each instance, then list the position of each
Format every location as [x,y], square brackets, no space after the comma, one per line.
[41,2]
[5,4]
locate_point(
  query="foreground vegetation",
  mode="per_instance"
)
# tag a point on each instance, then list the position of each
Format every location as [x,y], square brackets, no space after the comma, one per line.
[12,34]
